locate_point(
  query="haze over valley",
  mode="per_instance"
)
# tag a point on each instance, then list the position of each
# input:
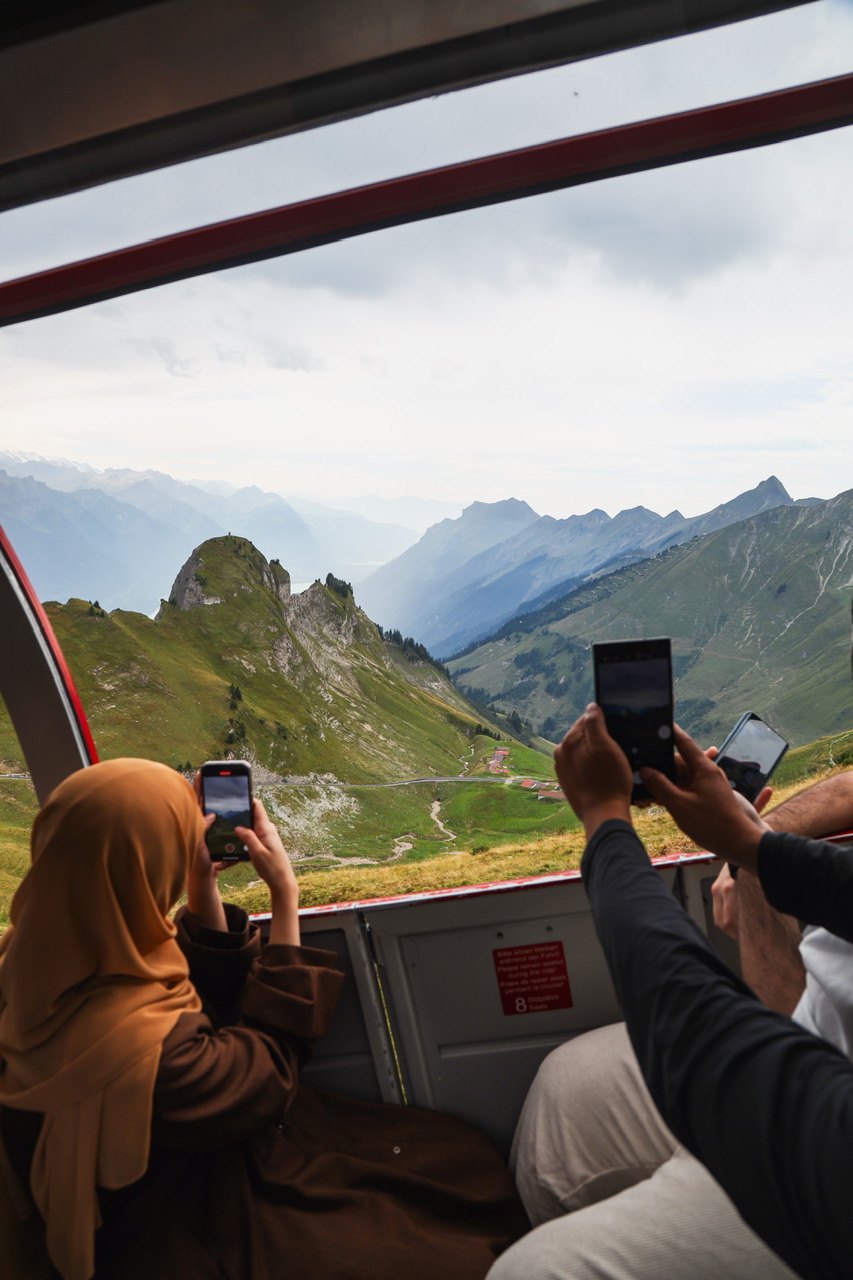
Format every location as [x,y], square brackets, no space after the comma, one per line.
[336,707]
[753,591]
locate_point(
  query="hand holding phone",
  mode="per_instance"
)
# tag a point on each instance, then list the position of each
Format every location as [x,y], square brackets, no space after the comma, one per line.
[750,754]
[633,687]
[226,791]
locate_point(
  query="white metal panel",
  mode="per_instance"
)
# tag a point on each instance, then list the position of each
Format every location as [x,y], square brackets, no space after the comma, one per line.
[460,1050]
[422,1016]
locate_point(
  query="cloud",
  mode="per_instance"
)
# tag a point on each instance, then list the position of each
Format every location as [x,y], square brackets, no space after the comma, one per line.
[667,338]
[165,352]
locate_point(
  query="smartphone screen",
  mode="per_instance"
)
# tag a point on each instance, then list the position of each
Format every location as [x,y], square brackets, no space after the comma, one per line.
[750,754]
[633,687]
[227,792]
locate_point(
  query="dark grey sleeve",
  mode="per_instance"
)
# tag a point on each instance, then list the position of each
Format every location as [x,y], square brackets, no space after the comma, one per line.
[809,879]
[766,1106]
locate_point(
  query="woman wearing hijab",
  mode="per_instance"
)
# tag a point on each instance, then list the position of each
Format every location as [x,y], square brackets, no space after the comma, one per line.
[153,1140]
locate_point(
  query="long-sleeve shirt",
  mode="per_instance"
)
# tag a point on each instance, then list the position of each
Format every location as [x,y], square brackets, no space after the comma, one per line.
[765,1105]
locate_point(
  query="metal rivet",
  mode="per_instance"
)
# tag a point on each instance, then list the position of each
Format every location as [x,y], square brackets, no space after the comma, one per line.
[396,1151]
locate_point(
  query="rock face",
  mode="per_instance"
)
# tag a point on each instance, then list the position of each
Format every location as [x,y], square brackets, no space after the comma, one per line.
[187,592]
[280,580]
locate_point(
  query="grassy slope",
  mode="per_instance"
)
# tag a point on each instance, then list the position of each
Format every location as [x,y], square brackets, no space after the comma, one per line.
[511,859]
[320,694]
[17,809]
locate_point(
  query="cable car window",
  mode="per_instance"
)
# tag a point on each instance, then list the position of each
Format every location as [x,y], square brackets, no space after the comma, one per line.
[655,345]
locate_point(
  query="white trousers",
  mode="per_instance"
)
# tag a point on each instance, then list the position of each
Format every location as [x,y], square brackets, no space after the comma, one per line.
[610,1193]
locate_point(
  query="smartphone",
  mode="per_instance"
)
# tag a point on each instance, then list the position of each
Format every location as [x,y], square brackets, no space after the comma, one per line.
[633,687]
[750,754]
[226,790]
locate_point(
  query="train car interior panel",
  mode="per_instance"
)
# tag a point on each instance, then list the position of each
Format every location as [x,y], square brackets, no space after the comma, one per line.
[459,996]
[358,1056]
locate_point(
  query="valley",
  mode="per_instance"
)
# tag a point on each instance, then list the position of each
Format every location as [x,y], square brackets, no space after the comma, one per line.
[379,768]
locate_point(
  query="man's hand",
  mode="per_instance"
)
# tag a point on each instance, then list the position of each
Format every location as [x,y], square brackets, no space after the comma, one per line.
[705,807]
[724,896]
[594,772]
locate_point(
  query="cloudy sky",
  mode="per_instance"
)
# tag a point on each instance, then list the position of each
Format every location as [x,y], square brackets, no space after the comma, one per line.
[666,339]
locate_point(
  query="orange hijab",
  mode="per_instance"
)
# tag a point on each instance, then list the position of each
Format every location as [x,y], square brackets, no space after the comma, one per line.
[91,982]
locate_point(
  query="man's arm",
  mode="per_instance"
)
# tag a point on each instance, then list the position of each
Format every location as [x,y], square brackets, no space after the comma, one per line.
[768,941]
[769,946]
[763,1103]
[820,810]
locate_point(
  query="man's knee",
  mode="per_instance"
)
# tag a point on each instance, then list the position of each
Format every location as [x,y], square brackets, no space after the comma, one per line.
[588,1128]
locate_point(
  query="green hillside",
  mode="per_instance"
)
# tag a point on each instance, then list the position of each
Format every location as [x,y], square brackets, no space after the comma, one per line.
[759,615]
[303,686]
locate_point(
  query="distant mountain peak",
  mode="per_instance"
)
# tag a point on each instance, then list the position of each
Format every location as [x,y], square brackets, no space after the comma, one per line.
[773,487]
[512,507]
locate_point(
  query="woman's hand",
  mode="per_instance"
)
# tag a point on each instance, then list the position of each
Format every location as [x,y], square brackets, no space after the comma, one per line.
[706,808]
[272,864]
[594,772]
[203,898]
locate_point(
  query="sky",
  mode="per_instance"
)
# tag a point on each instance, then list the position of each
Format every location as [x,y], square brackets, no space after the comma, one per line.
[666,339]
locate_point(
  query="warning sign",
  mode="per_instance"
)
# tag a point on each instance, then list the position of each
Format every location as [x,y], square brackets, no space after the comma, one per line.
[533,979]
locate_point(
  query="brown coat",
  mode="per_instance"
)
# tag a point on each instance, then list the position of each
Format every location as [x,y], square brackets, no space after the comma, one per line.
[254,1177]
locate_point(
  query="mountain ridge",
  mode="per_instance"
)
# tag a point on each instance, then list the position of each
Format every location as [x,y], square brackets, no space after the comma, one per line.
[758,613]
[463,598]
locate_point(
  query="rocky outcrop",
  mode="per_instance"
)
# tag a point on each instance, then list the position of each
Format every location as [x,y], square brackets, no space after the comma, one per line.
[188,590]
[280,580]
[201,582]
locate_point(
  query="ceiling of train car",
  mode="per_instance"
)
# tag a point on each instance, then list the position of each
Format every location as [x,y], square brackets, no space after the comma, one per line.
[92,92]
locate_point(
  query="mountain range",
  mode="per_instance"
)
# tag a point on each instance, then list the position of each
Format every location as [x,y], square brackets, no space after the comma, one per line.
[116,535]
[465,577]
[758,612]
[113,536]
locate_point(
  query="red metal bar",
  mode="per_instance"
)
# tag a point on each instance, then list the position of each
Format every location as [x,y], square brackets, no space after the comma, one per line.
[732,126]
[36,684]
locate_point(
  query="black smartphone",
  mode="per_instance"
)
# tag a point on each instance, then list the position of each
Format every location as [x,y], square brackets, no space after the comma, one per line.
[633,687]
[226,790]
[750,754]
